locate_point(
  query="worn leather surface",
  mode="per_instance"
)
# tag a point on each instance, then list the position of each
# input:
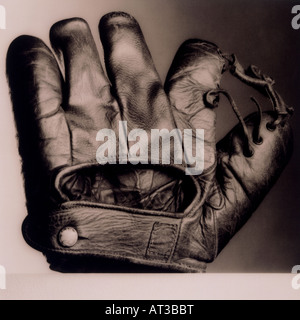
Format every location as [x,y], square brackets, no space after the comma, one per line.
[151,216]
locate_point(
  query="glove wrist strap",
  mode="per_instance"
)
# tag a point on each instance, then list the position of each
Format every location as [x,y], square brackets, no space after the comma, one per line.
[102,232]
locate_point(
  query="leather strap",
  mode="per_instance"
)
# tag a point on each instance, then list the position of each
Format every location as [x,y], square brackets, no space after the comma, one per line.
[139,237]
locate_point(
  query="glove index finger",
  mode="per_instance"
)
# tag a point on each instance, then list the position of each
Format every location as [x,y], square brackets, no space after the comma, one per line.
[195,70]
[36,92]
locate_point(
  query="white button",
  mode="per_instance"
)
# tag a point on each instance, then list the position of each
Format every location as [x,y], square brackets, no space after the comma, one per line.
[68,237]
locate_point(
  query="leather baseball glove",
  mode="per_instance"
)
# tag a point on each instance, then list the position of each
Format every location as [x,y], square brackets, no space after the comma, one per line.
[92,209]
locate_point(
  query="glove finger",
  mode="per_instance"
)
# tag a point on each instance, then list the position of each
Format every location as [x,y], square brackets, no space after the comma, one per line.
[195,70]
[89,104]
[35,83]
[132,72]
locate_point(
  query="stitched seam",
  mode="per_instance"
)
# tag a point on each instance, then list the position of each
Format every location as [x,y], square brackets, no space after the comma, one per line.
[130,210]
[177,239]
[173,238]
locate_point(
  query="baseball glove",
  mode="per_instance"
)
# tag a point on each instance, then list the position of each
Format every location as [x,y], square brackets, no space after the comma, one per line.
[93,206]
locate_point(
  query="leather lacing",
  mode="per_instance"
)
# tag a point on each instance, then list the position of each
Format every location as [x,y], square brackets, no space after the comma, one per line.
[211,95]
[263,83]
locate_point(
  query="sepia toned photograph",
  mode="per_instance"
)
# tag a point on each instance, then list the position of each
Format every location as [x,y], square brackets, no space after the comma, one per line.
[149,144]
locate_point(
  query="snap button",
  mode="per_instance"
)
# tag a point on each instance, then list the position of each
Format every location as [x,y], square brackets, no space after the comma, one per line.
[68,237]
